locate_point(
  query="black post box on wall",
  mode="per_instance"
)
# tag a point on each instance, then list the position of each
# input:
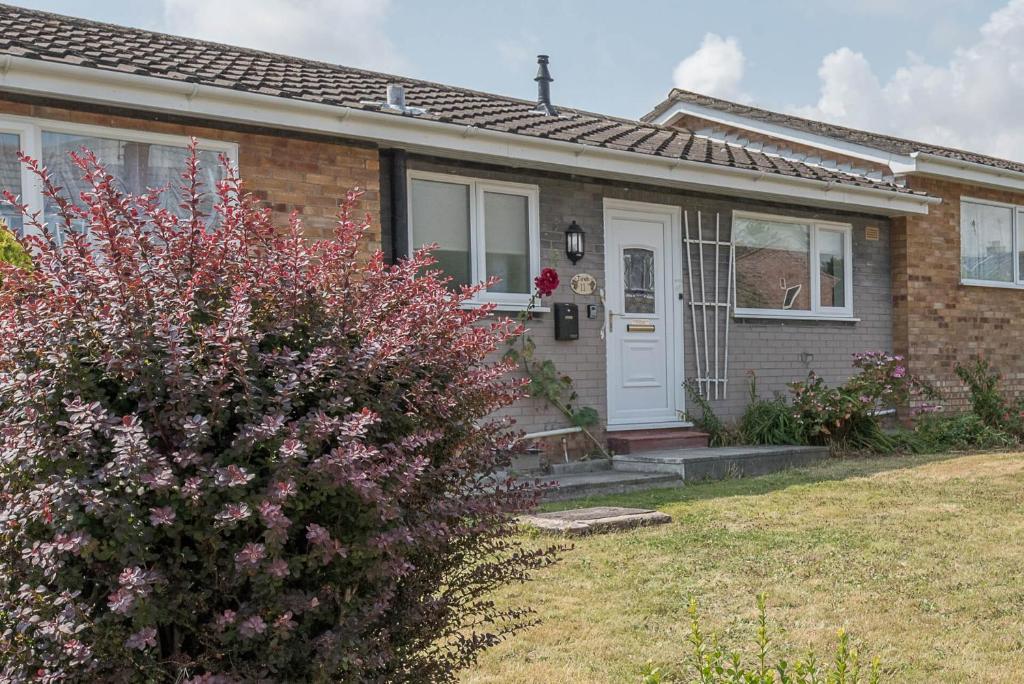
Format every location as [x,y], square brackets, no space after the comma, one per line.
[567,322]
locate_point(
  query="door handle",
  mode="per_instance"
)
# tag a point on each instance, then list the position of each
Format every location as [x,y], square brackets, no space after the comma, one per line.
[611,320]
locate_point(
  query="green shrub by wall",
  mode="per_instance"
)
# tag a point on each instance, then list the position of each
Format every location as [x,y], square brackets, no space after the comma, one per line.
[11,251]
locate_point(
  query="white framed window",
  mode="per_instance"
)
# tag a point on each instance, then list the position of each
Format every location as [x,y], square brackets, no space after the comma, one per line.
[15,135]
[482,228]
[137,159]
[791,267]
[991,243]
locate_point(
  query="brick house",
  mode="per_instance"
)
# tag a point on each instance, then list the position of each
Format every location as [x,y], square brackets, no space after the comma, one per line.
[957,272]
[672,218]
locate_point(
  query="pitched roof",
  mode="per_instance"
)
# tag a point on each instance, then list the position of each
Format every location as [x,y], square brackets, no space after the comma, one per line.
[71,41]
[879,141]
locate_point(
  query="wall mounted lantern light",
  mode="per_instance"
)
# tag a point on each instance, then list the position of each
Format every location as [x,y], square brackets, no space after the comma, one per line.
[575,242]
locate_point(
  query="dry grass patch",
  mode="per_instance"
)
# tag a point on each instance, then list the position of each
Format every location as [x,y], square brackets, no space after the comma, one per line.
[919,559]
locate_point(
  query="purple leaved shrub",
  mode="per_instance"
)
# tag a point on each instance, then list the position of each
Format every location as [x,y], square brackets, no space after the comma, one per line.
[229,453]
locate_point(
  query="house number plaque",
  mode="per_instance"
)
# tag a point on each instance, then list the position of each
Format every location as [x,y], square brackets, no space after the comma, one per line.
[583,284]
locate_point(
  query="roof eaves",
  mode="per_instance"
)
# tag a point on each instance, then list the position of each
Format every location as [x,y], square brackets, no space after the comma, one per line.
[798,158]
[431,136]
[901,150]
[899,163]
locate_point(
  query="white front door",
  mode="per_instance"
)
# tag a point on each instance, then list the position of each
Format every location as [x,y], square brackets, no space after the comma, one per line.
[643,314]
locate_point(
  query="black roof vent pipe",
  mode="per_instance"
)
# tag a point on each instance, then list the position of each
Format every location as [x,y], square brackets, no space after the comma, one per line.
[544,80]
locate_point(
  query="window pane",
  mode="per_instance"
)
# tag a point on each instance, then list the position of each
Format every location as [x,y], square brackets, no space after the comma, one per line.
[440,214]
[137,166]
[832,262]
[986,239]
[773,265]
[10,178]
[1020,244]
[507,233]
[638,280]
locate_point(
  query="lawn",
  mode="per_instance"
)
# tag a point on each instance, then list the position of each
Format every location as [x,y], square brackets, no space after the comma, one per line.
[919,558]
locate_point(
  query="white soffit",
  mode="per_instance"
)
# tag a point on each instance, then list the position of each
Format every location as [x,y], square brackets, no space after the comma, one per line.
[915,163]
[898,163]
[968,172]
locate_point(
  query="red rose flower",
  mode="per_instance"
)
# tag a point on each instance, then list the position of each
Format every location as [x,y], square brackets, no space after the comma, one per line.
[546,282]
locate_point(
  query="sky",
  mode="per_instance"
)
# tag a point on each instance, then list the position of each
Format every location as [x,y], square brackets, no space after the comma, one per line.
[948,72]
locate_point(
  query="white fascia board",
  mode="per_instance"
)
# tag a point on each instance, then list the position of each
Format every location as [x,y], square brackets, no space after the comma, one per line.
[133,91]
[898,163]
[967,172]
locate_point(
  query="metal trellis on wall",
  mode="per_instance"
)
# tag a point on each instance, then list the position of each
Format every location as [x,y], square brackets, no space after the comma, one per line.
[709,310]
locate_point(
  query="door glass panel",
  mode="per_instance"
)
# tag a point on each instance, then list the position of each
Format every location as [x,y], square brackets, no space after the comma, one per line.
[507,234]
[638,280]
[832,271]
[440,214]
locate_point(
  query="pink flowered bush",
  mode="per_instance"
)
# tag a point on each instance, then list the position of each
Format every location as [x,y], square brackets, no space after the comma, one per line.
[233,455]
[848,412]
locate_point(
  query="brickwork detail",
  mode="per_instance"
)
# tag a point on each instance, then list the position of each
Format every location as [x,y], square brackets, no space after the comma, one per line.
[938,321]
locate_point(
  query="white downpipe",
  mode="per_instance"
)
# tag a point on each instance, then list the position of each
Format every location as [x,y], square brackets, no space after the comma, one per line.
[556,433]
[552,433]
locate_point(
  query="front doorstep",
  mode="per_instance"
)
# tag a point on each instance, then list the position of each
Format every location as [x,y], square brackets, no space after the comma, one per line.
[717,463]
[635,441]
[626,427]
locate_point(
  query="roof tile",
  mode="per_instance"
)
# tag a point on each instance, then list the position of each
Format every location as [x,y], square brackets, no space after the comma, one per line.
[67,40]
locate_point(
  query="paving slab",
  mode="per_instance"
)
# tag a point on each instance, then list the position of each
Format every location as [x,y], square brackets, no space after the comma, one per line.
[598,519]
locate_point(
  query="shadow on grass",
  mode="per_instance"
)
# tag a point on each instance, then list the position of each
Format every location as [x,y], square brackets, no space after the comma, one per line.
[832,470]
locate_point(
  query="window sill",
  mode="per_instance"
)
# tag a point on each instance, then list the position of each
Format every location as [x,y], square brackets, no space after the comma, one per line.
[992,283]
[797,317]
[505,306]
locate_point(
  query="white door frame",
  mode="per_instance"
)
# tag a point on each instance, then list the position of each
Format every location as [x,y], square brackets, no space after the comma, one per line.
[674,262]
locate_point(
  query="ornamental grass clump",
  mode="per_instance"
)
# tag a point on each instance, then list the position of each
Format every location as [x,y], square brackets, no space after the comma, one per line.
[232,454]
[709,662]
[12,254]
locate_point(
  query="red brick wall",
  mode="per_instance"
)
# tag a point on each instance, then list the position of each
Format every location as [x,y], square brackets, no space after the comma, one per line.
[939,322]
[287,172]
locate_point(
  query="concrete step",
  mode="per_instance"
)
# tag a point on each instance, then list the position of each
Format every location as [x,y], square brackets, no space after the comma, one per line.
[581,485]
[719,462]
[591,465]
[638,441]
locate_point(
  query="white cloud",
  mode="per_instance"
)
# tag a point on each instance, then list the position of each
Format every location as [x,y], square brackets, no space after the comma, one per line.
[519,54]
[974,101]
[716,68]
[348,32]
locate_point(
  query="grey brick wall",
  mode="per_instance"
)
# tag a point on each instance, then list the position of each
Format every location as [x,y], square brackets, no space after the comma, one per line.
[777,351]
[780,351]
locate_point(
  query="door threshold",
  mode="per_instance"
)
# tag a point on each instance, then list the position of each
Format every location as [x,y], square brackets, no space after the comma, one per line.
[649,426]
